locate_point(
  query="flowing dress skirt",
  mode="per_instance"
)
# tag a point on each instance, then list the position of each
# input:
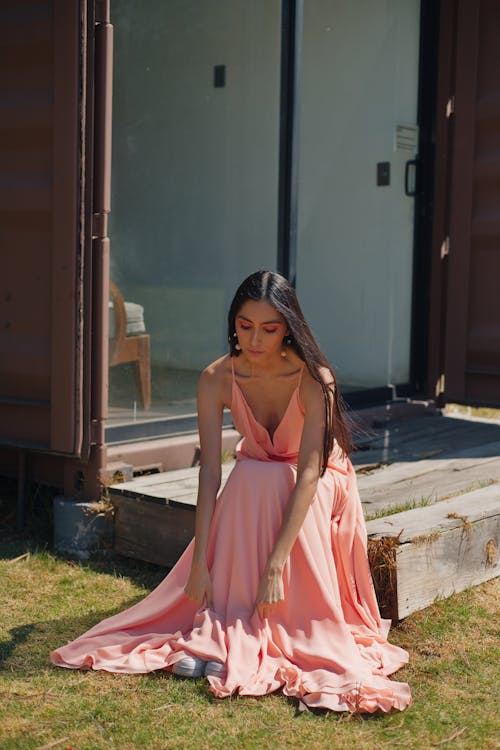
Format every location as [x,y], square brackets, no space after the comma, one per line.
[325,644]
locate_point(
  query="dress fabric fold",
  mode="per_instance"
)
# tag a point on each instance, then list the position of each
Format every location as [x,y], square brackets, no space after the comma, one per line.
[325,644]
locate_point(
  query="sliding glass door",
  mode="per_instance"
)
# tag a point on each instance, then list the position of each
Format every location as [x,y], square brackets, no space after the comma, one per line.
[194,189]
[358,140]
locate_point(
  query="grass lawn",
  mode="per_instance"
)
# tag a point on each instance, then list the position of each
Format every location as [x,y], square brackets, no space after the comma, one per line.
[46,600]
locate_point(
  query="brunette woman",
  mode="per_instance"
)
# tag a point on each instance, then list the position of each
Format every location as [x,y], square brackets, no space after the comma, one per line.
[275,589]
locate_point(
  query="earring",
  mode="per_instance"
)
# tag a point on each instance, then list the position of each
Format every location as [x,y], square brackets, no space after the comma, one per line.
[287,341]
[237,343]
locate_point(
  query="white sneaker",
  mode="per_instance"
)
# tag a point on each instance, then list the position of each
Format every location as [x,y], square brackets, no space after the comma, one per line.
[215,669]
[190,666]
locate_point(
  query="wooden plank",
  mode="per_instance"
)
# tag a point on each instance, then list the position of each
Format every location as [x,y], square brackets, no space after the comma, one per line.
[454,561]
[456,460]
[418,449]
[476,505]
[420,437]
[160,478]
[387,488]
[154,519]
[160,497]
[420,555]
[381,489]
[183,477]
[147,531]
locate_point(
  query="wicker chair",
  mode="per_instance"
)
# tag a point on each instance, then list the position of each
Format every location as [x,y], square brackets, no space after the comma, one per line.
[124,347]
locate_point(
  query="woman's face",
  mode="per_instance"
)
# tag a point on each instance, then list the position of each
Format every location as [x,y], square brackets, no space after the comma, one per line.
[260,329]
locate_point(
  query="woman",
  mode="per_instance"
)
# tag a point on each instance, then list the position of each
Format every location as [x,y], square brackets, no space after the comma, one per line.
[275,589]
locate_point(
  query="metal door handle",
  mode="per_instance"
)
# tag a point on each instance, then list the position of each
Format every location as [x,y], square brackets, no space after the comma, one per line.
[411,169]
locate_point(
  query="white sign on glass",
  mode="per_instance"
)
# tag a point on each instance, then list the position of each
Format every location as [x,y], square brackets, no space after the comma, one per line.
[406,138]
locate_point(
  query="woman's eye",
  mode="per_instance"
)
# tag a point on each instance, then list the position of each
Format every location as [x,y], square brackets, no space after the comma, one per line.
[270,330]
[244,327]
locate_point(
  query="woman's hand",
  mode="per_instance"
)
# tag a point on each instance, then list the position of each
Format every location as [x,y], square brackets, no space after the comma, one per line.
[270,591]
[199,585]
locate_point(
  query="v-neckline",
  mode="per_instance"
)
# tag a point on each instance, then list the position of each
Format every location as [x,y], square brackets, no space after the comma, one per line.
[271,439]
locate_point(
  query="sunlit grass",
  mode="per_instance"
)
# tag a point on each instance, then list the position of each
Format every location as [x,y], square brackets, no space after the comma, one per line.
[46,601]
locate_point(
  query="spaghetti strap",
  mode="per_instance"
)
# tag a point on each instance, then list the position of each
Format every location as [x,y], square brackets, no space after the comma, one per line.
[301,373]
[232,366]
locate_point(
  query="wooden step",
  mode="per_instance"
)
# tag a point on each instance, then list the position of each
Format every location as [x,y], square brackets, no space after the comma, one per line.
[428,480]
[429,553]
[154,514]
[416,555]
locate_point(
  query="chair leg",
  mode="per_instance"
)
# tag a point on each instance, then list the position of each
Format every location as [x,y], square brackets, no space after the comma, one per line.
[142,372]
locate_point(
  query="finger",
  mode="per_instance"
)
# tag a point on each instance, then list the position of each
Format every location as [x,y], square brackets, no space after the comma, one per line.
[209,597]
[263,611]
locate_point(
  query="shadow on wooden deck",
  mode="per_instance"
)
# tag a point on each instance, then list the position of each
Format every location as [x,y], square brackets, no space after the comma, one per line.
[424,459]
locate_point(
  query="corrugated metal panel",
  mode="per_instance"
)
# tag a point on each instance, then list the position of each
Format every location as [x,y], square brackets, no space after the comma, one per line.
[472,366]
[483,335]
[40,274]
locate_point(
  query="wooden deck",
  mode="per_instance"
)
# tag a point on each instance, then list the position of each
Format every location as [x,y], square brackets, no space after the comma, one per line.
[405,465]
[430,456]
[426,458]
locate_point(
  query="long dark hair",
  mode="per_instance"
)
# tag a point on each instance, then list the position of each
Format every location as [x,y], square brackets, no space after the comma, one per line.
[278,292]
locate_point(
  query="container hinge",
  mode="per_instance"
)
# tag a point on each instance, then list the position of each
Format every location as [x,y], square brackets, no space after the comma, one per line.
[445,247]
[96,432]
[450,107]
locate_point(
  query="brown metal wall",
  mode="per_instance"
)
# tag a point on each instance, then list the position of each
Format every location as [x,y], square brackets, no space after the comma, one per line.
[482,374]
[40,273]
[472,364]
[465,297]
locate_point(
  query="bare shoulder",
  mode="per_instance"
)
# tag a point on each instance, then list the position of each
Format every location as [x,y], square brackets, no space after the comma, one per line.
[312,384]
[214,378]
[311,392]
[217,369]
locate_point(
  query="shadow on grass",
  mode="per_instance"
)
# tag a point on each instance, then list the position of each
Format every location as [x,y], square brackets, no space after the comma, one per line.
[14,544]
[24,656]
[27,652]
[19,636]
[20,650]
[24,653]
[145,574]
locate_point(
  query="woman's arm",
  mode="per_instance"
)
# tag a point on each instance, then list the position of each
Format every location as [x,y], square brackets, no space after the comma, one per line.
[210,408]
[270,589]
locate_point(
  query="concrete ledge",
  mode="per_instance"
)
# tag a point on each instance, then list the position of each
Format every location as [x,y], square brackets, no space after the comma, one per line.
[81,528]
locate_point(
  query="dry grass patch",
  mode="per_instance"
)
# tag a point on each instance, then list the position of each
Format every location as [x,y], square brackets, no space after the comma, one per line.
[482,412]
[46,601]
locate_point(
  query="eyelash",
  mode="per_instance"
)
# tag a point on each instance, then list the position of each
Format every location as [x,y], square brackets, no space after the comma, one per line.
[267,330]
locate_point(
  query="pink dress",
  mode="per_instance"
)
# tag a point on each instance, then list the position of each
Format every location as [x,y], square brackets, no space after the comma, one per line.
[325,644]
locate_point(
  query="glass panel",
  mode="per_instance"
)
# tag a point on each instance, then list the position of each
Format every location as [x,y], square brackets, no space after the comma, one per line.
[194,187]
[355,239]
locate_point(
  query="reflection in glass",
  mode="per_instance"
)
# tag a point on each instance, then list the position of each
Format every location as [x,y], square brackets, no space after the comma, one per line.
[194,187]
